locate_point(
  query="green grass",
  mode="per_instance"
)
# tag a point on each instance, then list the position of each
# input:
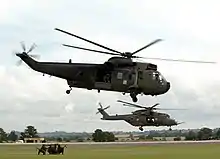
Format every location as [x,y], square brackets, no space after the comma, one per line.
[163,151]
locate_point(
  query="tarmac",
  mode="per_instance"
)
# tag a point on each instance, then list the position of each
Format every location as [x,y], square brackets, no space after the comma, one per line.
[121,143]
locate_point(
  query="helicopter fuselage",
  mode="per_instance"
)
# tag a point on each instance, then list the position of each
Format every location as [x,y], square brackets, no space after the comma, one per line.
[140,118]
[134,77]
[143,120]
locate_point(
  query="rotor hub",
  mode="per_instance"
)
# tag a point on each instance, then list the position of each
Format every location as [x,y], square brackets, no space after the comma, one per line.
[127,54]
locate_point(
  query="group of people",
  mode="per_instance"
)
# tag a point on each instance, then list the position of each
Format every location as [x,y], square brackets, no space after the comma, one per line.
[51,149]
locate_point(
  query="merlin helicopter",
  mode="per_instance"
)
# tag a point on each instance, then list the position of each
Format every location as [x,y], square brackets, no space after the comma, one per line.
[143,117]
[118,74]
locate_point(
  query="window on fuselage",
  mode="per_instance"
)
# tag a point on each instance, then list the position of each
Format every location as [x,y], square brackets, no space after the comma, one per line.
[119,75]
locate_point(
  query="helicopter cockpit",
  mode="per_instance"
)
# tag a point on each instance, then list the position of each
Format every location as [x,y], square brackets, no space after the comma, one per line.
[157,76]
[165,115]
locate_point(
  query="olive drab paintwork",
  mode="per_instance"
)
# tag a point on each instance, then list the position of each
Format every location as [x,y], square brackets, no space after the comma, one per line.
[119,73]
[141,118]
[100,77]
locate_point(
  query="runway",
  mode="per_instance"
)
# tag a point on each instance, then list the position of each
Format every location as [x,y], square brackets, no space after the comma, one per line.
[121,143]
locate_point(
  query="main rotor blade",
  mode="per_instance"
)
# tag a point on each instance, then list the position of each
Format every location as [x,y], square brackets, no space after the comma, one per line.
[23,46]
[87,40]
[168,109]
[18,63]
[155,41]
[106,107]
[135,105]
[100,105]
[90,49]
[179,60]
[154,105]
[31,48]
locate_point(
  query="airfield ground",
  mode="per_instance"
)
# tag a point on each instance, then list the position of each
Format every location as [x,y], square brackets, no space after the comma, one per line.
[118,151]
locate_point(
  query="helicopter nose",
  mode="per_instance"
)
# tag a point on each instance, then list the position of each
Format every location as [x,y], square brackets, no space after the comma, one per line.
[173,122]
[168,86]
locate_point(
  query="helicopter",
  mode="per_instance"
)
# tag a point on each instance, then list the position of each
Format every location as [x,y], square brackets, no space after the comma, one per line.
[142,117]
[118,74]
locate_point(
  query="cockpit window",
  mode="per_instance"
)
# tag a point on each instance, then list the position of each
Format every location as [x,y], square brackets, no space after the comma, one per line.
[158,77]
[165,115]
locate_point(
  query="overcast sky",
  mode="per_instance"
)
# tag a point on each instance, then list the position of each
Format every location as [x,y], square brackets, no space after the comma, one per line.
[190,30]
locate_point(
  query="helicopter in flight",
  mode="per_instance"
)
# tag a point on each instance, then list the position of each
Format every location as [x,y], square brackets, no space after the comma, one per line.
[118,74]
[143,117]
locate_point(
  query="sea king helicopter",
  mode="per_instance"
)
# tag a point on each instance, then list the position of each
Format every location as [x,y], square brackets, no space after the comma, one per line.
[119,73]
[142,117]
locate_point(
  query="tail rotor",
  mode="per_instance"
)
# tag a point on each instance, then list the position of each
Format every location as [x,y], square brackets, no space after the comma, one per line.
[101,108]
[26,53]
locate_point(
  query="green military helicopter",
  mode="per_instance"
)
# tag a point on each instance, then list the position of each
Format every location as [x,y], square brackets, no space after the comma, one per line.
[143,117]
[119,73]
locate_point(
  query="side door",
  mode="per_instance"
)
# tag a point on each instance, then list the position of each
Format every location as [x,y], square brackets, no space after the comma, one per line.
[122,79]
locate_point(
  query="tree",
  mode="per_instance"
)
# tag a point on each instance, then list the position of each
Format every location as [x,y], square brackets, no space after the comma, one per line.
[142,137]
[131,136]
[109,137]
[100,136]
[12,136]
[218,134]
[3,135]
[59,139]
[30,132]
[149,137]
[66,139]
[205,134]
[191,135]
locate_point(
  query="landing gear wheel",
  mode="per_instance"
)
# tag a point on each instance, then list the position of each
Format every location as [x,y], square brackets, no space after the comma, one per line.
[140,128]
[170,129]
[67,91]
[134,97]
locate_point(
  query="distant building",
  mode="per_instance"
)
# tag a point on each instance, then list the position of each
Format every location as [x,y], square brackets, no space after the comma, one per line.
[34,140]
[19,141]
[126,137]
[167,138]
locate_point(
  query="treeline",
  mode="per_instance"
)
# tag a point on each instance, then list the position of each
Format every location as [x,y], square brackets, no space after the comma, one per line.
[201,134]
[105,136]
[97,136]
[31,132]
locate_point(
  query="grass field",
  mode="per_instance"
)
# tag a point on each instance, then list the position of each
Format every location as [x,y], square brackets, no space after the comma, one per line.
[163,151]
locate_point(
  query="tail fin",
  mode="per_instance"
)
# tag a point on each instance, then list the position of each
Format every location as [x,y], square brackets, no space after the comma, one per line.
[102,111]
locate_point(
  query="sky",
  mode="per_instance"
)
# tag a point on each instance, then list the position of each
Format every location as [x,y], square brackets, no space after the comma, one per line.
[189,29]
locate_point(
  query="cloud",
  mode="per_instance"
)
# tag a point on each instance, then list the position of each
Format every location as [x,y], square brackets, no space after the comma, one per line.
[189,29]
